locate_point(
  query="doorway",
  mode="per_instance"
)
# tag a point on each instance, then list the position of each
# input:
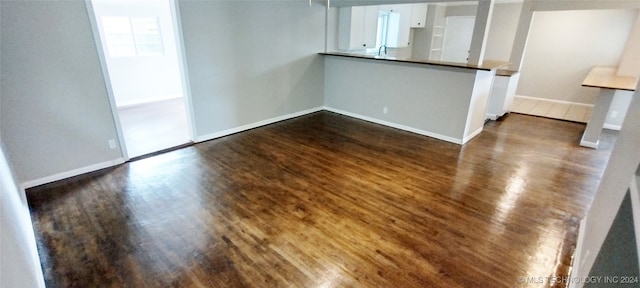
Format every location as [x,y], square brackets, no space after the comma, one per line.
[140,52]
[458,32]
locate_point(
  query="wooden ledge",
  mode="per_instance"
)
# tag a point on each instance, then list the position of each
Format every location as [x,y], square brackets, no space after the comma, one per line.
[505,72]
[606,77]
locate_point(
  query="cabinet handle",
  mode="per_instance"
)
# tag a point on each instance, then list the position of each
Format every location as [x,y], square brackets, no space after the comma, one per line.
[364,45]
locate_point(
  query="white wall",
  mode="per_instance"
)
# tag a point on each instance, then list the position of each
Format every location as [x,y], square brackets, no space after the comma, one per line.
[19,262]
[252,60]
[563,46]
[630,63]
[617,176]
[55,113]
[146,78]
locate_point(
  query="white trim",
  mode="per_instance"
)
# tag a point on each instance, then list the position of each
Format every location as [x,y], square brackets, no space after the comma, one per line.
[474,134]
[577,261]
[612,127]
[133,104]
[24,219]
[493,117]
[401,127]
[184,71]
[31,241]
[107,79]
[635,207]
[256,124]
[589,144]
[71,173]
[554,101]
[106,164]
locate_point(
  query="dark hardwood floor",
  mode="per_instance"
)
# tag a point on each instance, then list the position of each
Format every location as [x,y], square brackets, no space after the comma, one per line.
[326,200]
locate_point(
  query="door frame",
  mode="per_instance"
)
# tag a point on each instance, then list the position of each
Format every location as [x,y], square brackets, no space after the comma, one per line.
[182,67]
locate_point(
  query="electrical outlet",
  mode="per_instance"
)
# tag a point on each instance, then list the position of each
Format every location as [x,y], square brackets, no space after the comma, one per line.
[112,143]
[385,110]
[586,255]
[614,114]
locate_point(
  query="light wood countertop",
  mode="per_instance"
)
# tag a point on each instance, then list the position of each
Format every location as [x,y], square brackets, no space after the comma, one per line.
[487,65]
[606,77]
[505,72]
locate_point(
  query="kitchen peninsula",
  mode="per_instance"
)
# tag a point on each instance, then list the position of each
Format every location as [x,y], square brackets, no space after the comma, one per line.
[443,100]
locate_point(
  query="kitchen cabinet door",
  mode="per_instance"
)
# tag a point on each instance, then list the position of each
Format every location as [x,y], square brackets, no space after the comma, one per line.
[418,15]
[357,27]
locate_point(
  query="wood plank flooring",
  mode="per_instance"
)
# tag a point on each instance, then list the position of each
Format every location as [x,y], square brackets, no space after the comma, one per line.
[326,200]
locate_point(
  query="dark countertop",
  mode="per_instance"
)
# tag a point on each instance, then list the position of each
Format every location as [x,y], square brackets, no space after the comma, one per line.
[487,65]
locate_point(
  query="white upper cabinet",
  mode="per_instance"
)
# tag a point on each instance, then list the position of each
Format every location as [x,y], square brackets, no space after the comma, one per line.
[418,15]
[357,27]
[399,24]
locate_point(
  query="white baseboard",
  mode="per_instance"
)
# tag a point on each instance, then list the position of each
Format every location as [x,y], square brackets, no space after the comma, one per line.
[612,127]
[71,173]
[134,104]
[493,117]
[98,166]
[578,258]
[554,101]
[589,144]
[474,134]
[256,124]
[401,127]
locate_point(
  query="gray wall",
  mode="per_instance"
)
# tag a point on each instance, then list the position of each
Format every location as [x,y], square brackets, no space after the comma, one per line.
[248,61]
[55,113]
[252,60]
[19,263]
[502,31]
[422,37]
[363,87]
[461,10]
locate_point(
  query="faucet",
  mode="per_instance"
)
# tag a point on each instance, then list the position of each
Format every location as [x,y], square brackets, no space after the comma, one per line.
[380,49]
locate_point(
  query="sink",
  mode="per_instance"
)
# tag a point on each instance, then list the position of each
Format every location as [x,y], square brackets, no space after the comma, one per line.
[386,57]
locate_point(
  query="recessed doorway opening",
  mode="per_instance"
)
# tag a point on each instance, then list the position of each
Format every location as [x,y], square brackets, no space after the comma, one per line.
[141,57]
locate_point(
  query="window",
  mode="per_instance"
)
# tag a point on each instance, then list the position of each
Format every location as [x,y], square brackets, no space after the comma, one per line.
[383,27]
[131,37]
